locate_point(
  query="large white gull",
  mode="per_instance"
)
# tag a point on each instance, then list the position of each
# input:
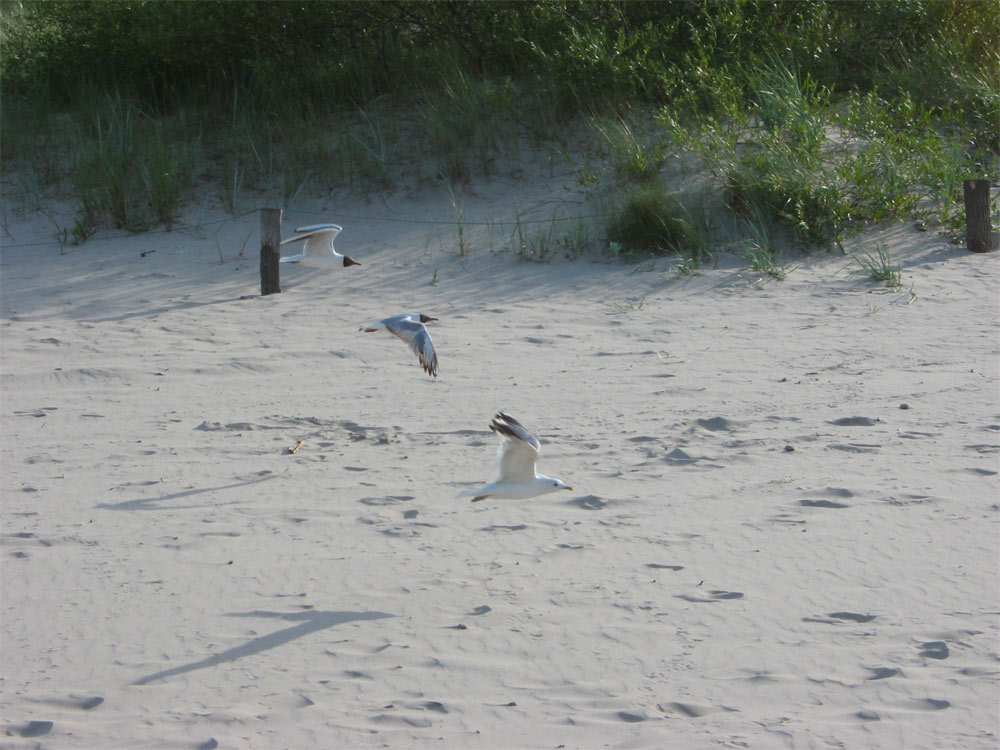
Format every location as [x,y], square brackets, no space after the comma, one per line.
[318,250]
[411,329]
[516,478]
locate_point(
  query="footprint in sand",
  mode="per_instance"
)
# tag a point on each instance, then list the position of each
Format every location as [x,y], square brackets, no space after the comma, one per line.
[680,457]
[691,710]
[934,650]
[835,617]
[587,502]
[516,527]
[855,422]
[713,596]
[823,504]
[386,499]
[716,424]
[86,704]
[854,616]
[855,447]
[882,673]
[932,704]
[36,728]
[631,717]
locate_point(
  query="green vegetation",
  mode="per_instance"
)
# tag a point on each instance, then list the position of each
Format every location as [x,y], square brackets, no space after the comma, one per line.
[650,220]
[816,119]
[878,266]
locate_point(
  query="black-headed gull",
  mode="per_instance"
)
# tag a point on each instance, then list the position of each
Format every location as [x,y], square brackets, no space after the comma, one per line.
[516,478]
[318,250]
[411,329]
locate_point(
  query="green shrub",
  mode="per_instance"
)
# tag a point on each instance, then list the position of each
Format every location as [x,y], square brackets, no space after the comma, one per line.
[650,220]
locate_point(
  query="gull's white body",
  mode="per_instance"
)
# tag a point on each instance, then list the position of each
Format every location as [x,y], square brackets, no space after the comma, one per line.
[516,477]
[410,328]
[318,250]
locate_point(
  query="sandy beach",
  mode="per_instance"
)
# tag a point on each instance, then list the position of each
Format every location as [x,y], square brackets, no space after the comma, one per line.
[783,532]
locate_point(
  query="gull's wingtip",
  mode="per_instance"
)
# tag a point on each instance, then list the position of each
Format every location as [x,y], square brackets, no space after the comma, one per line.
[319,228]
[505,417]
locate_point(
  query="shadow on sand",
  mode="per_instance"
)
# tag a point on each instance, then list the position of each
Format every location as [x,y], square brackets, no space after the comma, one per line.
[149,503]
[313,621]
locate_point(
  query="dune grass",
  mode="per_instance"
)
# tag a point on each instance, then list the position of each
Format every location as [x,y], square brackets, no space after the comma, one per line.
[651,220]
[812,117]
[878,266]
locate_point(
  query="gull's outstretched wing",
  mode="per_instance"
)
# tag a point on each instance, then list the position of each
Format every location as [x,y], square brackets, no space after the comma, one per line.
[518,450]
[318,237]
[414,333]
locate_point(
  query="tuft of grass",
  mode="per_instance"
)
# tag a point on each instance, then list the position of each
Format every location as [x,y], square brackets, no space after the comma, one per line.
[764,261]
[465,121]
[166,173]
[687,267]
[879,266]
[782,171]
[232,183]
[651,220]
[629,304]
[105,176]
[458,203]
[82,230]
[761,251]
[367,148]
[576,238]
[632,155]
[534,247]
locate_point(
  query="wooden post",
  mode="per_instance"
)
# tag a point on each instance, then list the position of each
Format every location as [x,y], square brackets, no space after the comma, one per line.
[977,215]
[270,238]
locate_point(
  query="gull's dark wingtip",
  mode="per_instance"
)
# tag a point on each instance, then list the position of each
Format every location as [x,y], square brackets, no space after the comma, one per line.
[503,416]
[501,425]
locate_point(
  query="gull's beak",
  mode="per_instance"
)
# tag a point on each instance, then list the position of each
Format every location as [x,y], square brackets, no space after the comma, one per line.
[349,261]
[567,488]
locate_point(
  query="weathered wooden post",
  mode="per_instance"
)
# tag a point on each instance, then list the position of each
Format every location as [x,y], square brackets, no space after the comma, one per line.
[270,238]
[977,215]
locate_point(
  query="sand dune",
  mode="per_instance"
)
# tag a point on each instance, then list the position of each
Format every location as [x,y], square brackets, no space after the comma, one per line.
[783,533]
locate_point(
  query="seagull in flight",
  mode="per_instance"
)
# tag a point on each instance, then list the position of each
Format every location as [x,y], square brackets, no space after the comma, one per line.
[318,250]
[516,478]
[411,329]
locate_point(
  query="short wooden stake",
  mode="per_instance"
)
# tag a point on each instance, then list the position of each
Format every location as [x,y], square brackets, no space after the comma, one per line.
[977,215]
[270,238]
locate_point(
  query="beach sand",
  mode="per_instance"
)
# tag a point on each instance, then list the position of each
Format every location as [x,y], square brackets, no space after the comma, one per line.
[783,532]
